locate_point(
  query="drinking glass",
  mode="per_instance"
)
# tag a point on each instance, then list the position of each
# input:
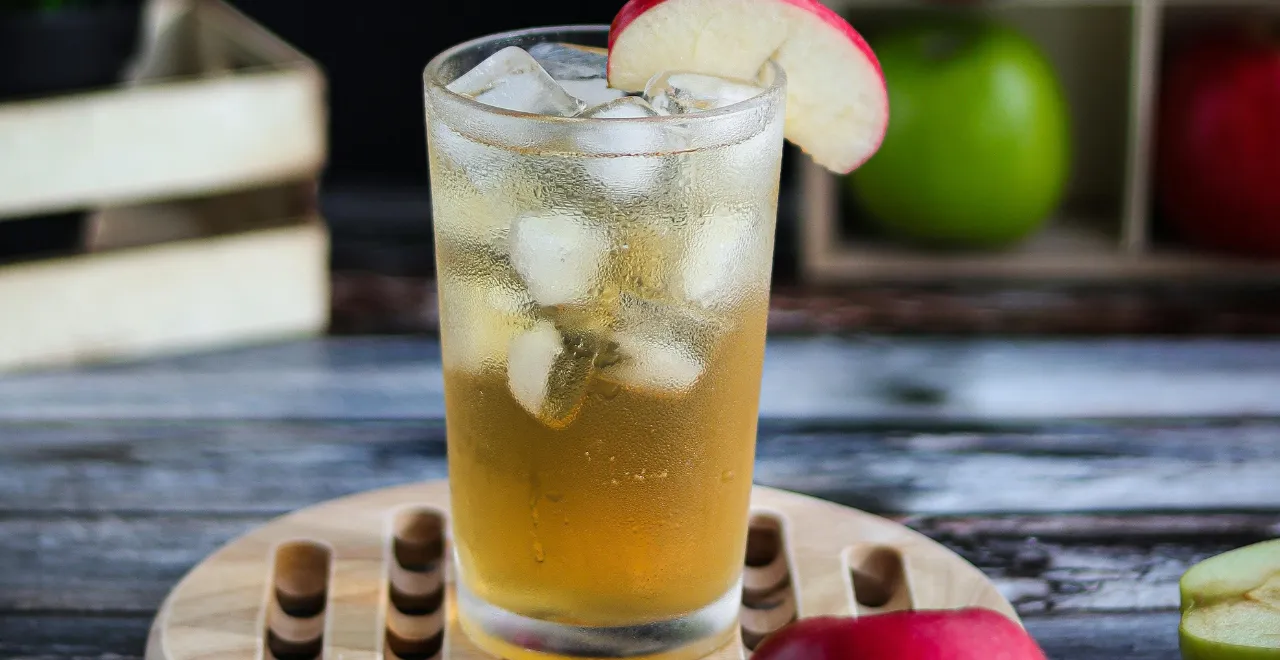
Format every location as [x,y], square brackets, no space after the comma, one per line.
[603,291]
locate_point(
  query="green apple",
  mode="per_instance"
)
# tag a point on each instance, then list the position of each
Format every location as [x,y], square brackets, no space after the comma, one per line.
[1231,605]
[977,153]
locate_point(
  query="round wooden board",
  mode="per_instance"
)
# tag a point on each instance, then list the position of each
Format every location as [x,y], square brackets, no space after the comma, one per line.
[334,578]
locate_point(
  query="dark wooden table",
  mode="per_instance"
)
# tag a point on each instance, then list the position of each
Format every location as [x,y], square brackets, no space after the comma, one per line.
[1083,475]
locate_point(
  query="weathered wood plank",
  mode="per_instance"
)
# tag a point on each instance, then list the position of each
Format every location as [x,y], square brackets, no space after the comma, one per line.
[855,378]
[105,564]
[1088,563]
[272,467]
[1111,528]
[127,563]
[1137,636]
[1134,636]
[73,637]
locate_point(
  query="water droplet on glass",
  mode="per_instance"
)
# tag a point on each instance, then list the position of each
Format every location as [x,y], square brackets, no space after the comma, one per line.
[538,554]
[606,390]
[608,356]
[726,476]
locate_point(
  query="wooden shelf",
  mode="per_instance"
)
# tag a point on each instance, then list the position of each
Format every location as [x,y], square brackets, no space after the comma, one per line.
[1108,55]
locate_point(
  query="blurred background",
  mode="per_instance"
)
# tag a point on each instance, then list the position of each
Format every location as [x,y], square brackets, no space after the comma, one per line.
[1065,167]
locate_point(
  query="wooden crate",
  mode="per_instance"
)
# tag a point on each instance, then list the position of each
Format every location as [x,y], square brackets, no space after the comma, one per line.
[1103,230]
[198,180]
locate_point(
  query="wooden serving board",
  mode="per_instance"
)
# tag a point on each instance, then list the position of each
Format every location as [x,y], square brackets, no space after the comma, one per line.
[368,576]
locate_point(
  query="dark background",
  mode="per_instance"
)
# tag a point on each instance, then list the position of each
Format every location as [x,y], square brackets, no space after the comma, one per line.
[373,53]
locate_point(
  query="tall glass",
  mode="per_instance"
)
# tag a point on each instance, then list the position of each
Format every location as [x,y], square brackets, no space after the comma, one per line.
[604,288]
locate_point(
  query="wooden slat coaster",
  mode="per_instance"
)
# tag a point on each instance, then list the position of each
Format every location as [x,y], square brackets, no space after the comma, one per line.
[368,577]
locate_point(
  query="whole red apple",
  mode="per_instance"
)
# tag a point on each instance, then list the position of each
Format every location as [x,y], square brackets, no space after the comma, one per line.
[963,634]
[1218,148]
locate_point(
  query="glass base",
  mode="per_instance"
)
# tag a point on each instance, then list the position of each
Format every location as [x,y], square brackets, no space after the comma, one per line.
[505,634]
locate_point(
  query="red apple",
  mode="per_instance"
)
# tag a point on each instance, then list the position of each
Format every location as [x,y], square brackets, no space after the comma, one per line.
[1218,150]
[837,104]
[963,634]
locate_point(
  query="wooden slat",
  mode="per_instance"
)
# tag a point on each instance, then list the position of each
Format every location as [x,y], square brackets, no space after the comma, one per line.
[1144,56]
[856,379]
[262,285]
[104,565]
[73,637]
[218,131]
[272,467]
[1141,636]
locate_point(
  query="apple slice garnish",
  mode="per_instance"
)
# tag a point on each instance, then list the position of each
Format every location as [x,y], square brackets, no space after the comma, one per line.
[837,104]
[1231,605]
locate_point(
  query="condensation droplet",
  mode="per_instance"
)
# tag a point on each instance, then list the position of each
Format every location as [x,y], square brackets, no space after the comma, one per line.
[539,555]
[726,476]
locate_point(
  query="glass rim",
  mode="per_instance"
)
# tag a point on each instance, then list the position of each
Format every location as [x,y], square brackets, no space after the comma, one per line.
[431,78]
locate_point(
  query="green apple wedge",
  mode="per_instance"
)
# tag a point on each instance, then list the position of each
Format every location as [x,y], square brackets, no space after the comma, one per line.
[1231,605]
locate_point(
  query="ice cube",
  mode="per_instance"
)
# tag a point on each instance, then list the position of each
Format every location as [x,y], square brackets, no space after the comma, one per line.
[678,92]
[511,79]
[571,61]
[592,91]
[580,70]
[627,176]
[547,375]
[478,322]
[659,348]
[624,107]
[725,260]
[558,255]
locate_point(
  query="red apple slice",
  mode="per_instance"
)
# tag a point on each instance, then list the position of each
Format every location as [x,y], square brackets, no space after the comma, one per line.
[837,104]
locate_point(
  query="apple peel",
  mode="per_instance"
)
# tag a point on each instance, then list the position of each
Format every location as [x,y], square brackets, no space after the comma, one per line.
[954,634]
[837,103]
